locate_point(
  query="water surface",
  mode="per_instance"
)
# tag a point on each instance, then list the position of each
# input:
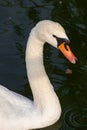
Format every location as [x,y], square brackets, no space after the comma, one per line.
[17,17]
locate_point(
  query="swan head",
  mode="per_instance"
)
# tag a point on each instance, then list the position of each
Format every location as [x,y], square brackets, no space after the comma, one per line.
[54,34]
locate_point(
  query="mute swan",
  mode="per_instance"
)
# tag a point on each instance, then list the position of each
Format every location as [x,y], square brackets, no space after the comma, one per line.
[18,112]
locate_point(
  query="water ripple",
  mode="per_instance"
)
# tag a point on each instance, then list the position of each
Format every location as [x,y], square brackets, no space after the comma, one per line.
[75,117]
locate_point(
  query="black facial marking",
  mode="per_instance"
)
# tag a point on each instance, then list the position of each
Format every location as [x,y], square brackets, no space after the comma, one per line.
[61,40]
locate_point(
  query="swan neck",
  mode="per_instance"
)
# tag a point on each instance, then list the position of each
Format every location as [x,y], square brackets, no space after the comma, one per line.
[40,84]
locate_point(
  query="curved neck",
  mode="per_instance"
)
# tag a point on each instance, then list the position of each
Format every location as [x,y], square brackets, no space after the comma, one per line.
[43,92]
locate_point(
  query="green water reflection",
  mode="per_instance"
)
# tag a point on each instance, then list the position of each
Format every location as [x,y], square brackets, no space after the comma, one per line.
[17,17]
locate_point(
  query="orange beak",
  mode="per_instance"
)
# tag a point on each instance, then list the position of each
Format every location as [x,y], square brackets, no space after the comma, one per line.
[65,49]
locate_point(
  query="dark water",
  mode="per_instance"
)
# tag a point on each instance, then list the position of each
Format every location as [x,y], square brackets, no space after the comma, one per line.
[17,17]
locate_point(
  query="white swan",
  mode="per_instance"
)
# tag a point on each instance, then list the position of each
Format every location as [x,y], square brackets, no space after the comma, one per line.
[18,112]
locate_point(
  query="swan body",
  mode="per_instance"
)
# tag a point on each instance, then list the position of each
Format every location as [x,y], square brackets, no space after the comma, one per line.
[18,112]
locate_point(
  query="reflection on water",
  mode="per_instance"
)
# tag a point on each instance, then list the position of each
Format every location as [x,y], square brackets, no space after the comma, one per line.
[16,20]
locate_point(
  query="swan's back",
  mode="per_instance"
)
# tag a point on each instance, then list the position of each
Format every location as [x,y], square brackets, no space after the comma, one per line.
[18,113]
[8,106]
[7,94]
[14,111]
